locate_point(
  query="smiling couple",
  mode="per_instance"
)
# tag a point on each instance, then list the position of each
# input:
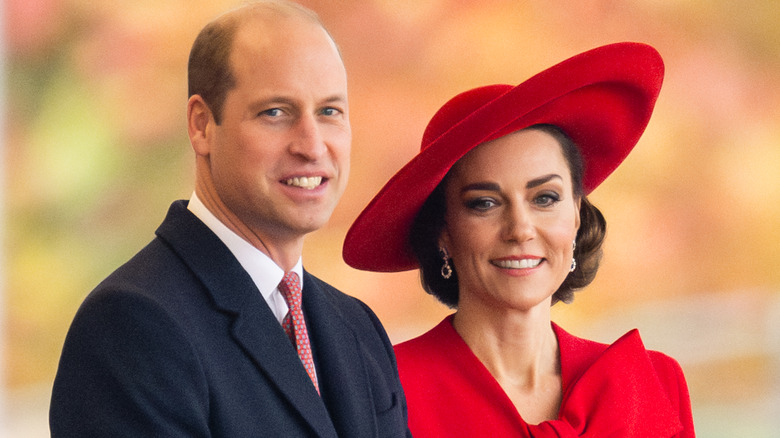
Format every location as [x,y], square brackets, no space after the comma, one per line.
[216,329]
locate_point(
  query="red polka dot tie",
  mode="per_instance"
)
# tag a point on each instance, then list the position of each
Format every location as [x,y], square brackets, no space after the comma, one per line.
[294,324]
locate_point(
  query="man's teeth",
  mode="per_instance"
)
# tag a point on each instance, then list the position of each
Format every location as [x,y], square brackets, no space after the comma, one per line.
[306,182]
[518,264]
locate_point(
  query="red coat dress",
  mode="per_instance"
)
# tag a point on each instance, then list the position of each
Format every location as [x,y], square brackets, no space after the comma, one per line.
[618,390]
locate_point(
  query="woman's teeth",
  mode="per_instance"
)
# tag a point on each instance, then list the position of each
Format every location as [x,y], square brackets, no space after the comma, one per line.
[518,264]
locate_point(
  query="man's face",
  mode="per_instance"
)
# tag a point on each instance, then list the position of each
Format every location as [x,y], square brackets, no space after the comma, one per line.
[279,161]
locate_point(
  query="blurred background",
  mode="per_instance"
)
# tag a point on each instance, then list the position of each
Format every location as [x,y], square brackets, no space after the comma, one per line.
[94,149]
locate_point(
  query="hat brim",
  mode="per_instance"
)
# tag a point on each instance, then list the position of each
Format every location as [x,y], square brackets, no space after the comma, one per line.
[602,99]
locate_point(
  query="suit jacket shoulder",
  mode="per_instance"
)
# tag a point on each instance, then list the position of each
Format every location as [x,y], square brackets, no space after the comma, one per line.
[178,342]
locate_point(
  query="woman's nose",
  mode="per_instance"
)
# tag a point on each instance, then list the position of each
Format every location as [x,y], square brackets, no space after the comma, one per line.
[518,224]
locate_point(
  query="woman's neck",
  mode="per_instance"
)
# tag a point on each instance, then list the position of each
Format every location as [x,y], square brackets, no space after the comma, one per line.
[520,350]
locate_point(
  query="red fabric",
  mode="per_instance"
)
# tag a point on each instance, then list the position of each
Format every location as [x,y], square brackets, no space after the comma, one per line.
[294,324]
[621,390]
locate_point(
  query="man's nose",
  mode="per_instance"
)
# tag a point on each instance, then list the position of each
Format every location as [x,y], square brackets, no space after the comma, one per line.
[308,141]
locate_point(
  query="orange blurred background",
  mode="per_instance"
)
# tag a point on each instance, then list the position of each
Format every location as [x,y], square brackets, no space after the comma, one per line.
[95,149]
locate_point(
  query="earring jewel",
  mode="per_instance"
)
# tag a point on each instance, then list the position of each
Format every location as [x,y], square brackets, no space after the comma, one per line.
[446,269]
[573,260]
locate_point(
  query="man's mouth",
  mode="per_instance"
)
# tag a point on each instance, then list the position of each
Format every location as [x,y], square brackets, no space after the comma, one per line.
[517,264]
[304,182]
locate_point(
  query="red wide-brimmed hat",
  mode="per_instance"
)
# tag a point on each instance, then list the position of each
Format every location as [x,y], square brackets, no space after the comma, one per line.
[602,99]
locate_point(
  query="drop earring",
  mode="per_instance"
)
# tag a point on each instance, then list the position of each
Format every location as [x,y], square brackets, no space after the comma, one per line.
[573,260]
[446,269]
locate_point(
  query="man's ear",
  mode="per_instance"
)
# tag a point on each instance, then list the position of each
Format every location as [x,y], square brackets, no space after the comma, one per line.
[200,123]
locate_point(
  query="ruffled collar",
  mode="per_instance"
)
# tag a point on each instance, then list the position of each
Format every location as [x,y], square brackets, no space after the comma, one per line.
[608,390]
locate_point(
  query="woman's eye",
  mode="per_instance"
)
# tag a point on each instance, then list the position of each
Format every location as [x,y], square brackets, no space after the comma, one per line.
[547,199]
[481,204]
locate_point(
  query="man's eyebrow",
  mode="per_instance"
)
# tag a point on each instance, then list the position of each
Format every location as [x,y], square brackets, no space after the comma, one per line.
[273,100]
[284,100]
[336,98]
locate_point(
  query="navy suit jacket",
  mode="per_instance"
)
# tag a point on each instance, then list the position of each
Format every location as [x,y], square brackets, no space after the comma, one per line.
[178,342]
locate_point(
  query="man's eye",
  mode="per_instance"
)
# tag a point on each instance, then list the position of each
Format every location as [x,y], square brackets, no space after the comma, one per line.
[330,111]
[273,112]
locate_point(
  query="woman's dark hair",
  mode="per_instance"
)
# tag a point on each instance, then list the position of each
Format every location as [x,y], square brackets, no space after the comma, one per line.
[429,223]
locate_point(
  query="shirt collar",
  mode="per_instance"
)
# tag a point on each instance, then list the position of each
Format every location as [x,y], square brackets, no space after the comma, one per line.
[264,272]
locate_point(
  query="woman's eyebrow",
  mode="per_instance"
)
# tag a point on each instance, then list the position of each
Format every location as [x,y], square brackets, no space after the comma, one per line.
[494,187]
[488,186]
[542,179]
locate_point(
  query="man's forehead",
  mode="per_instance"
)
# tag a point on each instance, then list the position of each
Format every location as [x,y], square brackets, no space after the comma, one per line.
[259,35]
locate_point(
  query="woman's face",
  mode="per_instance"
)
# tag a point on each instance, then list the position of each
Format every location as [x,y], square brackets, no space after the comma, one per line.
[510,222]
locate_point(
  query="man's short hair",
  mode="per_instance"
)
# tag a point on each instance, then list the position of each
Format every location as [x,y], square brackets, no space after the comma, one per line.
[209,72]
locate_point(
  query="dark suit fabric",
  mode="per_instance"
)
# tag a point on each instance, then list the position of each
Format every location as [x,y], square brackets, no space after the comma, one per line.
[178,342]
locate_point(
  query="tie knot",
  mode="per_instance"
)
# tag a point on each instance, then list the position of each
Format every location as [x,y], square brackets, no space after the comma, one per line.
[290,287]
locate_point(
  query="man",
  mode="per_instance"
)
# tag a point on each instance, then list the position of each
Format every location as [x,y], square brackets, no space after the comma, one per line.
[187,338]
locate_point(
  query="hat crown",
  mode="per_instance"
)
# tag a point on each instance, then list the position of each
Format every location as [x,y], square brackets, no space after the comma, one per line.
[459,108]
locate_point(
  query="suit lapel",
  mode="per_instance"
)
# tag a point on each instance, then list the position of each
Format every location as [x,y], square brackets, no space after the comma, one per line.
[344,383]
[254,328]
[260,334]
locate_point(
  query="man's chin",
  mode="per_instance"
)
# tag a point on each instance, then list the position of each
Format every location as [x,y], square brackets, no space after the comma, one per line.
[306,224]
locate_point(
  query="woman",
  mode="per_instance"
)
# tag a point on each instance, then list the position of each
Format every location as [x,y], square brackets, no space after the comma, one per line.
[494,211]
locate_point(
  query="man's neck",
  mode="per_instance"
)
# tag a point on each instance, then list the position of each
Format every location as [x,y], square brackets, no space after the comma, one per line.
[284,252]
